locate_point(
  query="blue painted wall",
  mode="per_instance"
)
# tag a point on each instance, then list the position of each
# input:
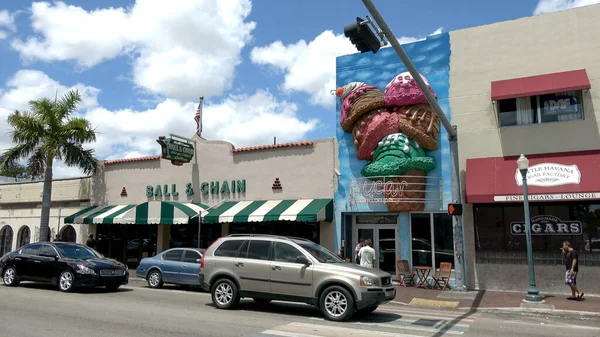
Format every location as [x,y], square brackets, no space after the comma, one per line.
[431,57]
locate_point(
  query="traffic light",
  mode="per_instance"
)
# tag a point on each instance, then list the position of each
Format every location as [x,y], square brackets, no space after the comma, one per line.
[362,36]
[455,209]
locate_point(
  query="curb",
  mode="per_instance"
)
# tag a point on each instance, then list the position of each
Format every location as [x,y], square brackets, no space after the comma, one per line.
[513,310]
[550,312]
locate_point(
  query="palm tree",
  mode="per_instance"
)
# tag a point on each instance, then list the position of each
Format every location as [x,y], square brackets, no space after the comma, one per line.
[47,133]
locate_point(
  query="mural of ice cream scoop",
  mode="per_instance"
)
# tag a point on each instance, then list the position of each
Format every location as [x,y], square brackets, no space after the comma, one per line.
[420,123]
[405,161]
[371,128]
[403,90]
[360,100]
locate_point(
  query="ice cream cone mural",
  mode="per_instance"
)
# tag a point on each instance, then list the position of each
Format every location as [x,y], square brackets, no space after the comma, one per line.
[393,130]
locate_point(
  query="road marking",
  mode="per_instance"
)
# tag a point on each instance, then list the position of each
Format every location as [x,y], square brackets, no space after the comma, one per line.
[336,330]
[433,303]
[180,291]
[545,325]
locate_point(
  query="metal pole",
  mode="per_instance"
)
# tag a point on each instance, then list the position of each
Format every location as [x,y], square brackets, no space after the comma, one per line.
[199,229]
[533,295]
[459,267]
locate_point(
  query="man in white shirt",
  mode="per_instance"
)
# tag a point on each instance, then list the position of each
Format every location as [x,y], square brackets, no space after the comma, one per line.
[367,254]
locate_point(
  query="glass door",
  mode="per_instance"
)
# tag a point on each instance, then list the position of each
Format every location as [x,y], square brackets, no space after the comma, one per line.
[385,247]
[384,238]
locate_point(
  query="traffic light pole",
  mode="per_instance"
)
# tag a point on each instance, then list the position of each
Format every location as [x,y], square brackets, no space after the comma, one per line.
[452,138]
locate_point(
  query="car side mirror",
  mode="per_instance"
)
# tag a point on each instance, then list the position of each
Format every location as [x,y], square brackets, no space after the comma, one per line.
[303,260]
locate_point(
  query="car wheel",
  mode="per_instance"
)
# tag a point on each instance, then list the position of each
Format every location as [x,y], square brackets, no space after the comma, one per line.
[367,310]
[261,301]
[66,281]
[9,277]
[336,304]
[154,279]
[225,294]
[113,287]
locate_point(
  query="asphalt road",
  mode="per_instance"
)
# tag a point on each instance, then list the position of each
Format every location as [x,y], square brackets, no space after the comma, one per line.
[39,310]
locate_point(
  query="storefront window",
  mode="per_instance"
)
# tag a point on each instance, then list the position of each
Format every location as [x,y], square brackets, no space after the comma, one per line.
[500,232]
[428,228]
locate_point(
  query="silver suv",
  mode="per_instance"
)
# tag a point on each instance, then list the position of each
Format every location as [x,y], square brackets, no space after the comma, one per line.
[267,267]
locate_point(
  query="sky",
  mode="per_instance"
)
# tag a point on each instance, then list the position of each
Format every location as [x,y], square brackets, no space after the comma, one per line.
[265,68]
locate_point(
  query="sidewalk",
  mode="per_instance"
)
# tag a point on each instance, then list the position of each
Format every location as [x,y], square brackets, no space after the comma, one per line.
[499,301]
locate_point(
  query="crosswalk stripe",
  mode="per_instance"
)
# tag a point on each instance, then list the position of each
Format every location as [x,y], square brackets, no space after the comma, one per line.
[405,322]
[336,331]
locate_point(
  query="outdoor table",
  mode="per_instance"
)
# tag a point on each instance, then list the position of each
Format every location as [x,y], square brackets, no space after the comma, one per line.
[422,273]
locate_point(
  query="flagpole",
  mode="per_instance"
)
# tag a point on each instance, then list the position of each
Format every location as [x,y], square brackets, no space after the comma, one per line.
[198,117]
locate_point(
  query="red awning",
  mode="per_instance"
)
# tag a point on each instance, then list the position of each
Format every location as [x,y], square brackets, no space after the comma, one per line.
[540,85]
[551,177]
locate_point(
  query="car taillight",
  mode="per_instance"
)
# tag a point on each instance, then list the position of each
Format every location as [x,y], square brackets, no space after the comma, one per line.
[203,255]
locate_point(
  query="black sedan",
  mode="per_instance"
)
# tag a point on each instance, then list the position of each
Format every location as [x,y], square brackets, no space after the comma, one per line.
[66,265]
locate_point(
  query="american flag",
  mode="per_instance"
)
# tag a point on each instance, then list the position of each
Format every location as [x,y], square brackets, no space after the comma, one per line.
[198,117]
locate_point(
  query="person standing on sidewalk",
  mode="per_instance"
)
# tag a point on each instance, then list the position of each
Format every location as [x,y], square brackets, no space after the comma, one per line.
[367,255]
[571,256]
[361,243]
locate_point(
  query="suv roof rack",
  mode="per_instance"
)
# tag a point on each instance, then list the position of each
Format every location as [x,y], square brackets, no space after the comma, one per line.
[291,238]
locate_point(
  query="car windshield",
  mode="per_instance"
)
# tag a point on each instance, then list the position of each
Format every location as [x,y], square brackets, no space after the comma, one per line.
[320,253]
[77,252]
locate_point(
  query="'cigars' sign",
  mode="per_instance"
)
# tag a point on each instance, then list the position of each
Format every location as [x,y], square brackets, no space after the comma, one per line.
[547,225]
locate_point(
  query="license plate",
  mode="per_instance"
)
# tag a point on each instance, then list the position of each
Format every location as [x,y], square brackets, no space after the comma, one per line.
[389,293]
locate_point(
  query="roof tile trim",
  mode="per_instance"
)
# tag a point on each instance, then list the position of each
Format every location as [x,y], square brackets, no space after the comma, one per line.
[130,160]
[241,149]
[273,146]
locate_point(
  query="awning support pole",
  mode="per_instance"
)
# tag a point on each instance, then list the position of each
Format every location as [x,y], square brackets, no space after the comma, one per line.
[201,217]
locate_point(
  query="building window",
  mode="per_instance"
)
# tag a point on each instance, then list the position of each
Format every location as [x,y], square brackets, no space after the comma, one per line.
[24,236]
[499,232]
[558,107]
[432,239]
[6,237]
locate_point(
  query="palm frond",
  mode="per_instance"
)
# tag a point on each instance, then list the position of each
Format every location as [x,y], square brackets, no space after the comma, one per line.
[76,155]
[36,165]
[27,128]
[79,131]
[68,104]
[13,155]
[42,107]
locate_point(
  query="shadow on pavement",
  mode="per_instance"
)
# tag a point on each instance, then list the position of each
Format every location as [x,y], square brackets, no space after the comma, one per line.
[467,314]
[81,290]
[308,311]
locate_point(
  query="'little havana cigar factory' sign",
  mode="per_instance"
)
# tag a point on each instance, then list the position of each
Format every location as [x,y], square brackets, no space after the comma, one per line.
[547,225]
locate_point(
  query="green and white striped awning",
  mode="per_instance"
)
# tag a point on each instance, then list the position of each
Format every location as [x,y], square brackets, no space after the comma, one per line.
[147,213]
[302,210]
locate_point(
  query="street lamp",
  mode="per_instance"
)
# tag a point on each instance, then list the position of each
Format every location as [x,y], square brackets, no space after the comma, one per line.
[533,295]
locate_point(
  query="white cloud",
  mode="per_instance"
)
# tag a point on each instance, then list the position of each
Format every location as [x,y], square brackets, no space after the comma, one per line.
[310,67]
[181,49]
[547,6]
[7,22]
[411,39]
[243,120]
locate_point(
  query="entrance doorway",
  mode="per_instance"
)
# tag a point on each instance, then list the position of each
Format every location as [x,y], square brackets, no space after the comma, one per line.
[384,237]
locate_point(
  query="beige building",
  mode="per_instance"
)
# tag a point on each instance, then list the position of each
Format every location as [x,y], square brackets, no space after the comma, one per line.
[20,210]
[529,86]
[282,189]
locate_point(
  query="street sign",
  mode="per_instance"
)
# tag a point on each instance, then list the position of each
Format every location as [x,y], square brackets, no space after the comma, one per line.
[455,209]
[176,151]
